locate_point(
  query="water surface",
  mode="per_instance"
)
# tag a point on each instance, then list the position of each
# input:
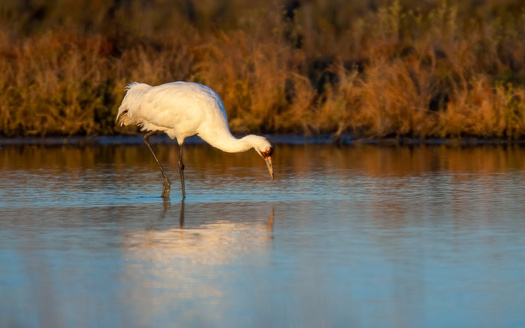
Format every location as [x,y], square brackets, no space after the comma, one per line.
[358,236]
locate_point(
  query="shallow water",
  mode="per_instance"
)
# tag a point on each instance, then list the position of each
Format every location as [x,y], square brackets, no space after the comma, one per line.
[358,236]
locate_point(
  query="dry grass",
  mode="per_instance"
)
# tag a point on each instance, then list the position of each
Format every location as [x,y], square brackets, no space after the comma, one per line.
[400,69]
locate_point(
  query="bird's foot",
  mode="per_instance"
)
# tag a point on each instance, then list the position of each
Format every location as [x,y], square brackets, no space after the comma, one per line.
[166,191]
[165,194]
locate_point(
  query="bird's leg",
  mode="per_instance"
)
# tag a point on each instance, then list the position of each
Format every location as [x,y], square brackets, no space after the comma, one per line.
[181,217]
[181,171]
[167,183]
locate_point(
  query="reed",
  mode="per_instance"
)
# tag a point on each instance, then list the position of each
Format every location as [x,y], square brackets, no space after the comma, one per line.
[404,69]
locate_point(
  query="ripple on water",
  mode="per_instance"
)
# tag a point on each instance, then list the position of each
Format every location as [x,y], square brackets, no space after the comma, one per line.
[366,236]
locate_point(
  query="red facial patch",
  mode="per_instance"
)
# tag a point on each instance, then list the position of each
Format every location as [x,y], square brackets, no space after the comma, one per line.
[267,153]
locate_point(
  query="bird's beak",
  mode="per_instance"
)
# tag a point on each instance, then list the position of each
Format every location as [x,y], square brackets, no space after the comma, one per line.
[269,164]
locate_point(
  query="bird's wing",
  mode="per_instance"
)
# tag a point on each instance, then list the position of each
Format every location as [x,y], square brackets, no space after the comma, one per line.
[180,109]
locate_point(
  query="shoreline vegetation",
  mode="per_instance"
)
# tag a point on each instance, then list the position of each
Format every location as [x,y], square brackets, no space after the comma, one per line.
[375,70]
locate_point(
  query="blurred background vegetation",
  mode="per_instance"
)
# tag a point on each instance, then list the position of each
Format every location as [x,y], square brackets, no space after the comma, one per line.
[373,68]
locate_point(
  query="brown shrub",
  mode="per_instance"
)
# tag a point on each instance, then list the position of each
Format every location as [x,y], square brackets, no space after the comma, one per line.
[405,69]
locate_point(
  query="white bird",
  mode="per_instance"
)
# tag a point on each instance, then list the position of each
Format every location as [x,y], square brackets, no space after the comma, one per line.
[182,109]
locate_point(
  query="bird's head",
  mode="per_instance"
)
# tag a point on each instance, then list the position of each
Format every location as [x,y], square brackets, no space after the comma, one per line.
[264,148]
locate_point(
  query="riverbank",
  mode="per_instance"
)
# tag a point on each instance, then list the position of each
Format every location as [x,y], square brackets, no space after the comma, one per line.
[279,139]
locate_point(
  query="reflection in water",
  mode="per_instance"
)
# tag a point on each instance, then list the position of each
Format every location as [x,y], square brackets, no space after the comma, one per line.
[181,218]
[353,236]
[195,262]
[167,207]
[141,257]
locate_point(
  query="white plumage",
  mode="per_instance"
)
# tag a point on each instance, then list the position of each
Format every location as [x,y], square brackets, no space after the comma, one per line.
[183,109]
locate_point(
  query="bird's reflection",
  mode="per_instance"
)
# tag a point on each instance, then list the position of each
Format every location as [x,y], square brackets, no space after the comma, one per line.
[167,208]
[215,221]
[181,216]
[166,204]
[270,222]
[188,259]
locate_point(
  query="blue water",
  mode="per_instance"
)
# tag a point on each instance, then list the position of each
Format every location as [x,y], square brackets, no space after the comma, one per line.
[358,236]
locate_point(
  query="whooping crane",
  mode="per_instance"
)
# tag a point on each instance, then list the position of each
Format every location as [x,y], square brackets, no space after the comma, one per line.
[182,109]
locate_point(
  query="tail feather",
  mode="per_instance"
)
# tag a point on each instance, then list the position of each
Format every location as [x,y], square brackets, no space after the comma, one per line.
[124,119]
[120,118]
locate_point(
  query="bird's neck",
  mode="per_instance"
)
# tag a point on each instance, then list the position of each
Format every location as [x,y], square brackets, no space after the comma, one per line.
[228,143]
